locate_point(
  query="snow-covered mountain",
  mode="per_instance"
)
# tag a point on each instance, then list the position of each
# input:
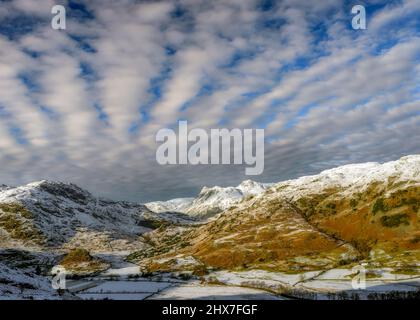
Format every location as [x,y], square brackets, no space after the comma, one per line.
[216,199]
[173,205]
[361,212]
[210,200]
[354,177]
[57,214]
[54,213]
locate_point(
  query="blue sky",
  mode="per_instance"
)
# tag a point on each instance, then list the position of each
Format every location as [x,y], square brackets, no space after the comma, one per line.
[84,104]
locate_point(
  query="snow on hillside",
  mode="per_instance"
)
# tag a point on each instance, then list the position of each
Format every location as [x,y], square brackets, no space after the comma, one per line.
[69,217]
[174,205]
[210,200]
[58,210]
[354,177]
[216,199]
[249,187]
[16,284]
[61,209]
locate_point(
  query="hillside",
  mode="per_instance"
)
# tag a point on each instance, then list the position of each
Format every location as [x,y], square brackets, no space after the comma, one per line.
[304,234]
[54,214]
[173,205]
[364,212]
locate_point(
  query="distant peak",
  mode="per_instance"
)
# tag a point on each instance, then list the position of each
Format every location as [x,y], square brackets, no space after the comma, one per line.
[248,183]
[412,157]
[45,182]
[55,183]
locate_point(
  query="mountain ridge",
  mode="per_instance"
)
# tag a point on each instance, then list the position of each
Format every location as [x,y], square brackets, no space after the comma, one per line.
[302,224]
[64,215]
[210,200]
[362,214]
[53,213]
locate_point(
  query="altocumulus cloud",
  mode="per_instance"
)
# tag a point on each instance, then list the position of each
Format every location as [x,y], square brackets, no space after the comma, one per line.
[84,104]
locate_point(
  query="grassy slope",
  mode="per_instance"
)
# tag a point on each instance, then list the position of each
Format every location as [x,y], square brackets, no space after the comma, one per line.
[329,228]
[18,223]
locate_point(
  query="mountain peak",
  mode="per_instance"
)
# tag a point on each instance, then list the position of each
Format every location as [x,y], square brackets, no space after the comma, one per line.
[60,212]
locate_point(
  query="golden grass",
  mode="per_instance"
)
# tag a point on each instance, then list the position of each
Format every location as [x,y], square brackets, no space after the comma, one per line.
[308,234]
[18,222]
[80,261]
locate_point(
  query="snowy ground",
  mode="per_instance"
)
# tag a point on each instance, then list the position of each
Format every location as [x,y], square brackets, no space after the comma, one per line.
[161,290]
[16,284]
[201,292]
[319,284]
[123,281]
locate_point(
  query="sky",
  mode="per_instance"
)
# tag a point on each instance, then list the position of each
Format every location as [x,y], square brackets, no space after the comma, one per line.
[83,105]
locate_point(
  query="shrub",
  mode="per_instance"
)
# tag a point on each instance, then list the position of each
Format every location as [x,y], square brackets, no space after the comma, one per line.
[379,205]
[77,256]
[407,270]
[353,203]
[200,270]
[395,220]
[415,240]
[363,246]
[151,224]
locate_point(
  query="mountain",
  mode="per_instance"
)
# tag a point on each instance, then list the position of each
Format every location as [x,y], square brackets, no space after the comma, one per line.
[313,226]
[362,212]
[173,205]
[210,200]
[217,199]
[55,214]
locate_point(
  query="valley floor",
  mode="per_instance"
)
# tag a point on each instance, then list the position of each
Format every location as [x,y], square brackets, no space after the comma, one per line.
[123,280]
[171,290]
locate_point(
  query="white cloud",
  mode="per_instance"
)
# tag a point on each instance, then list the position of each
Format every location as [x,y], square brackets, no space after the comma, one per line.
[328,95]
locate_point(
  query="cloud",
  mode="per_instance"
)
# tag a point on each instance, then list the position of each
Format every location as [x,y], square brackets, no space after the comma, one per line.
[84,104]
